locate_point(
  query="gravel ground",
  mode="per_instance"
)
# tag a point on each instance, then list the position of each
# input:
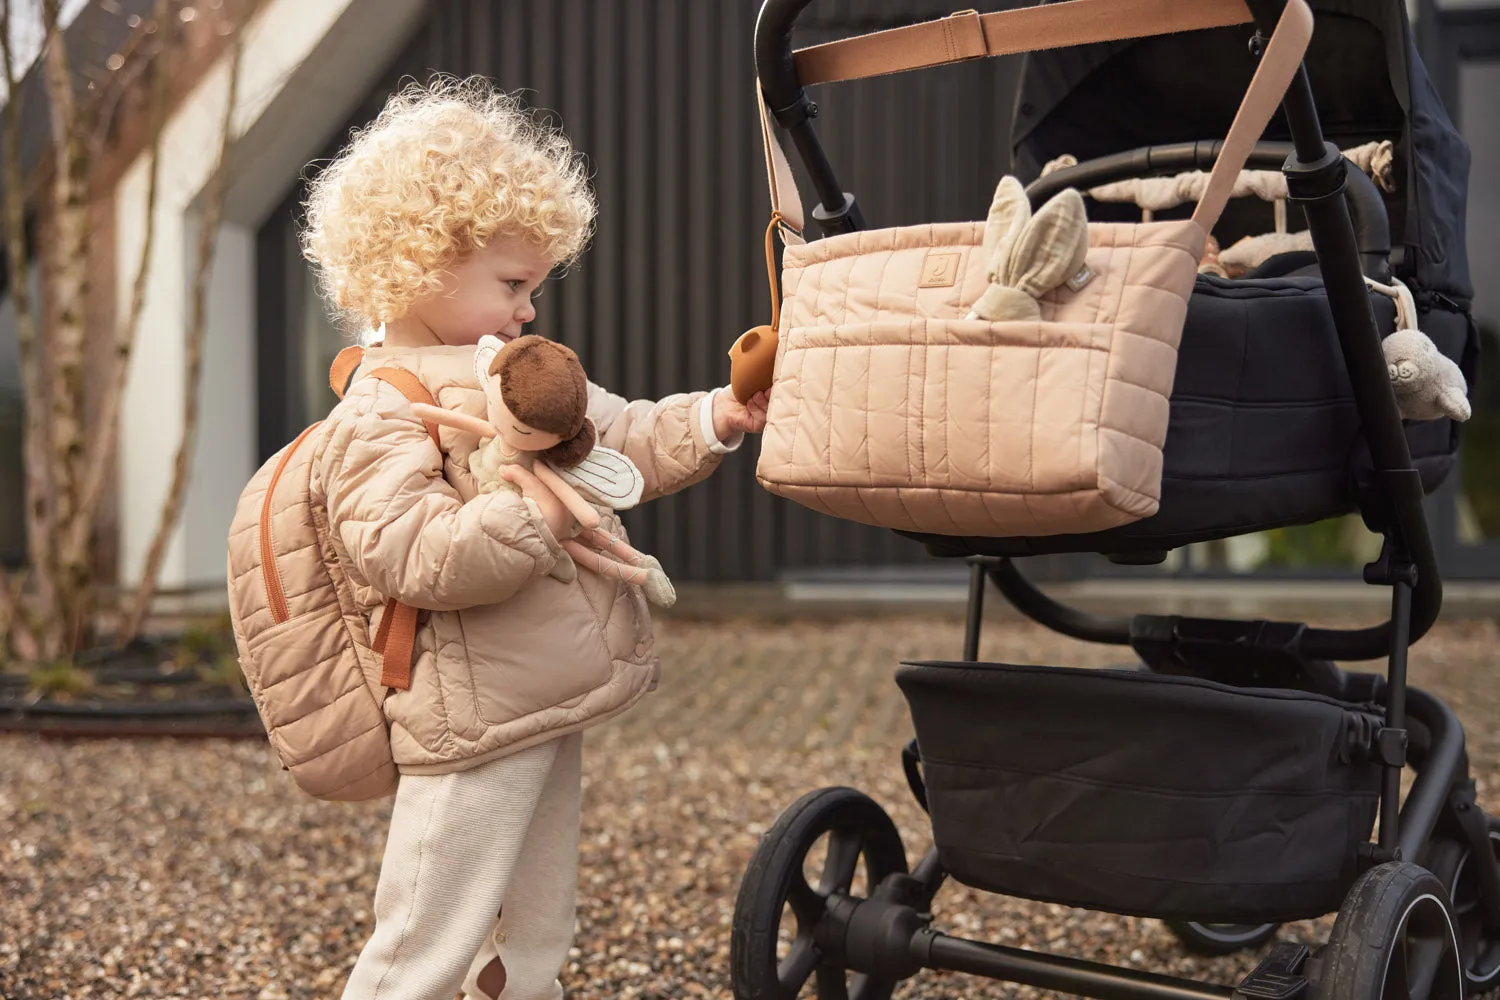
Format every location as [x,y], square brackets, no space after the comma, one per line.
[160,868]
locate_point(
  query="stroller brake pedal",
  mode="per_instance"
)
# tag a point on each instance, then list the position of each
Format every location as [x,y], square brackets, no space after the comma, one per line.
[1279,977]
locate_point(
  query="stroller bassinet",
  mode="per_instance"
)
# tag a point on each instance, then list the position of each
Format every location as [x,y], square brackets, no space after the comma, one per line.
[1245,788]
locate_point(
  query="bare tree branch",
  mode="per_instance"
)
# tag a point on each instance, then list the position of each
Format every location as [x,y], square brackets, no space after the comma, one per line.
[139,54]
[40,513]
[69,285]
[207,238]
[102,441]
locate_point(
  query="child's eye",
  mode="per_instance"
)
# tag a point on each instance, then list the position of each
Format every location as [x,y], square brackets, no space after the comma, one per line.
[516,284]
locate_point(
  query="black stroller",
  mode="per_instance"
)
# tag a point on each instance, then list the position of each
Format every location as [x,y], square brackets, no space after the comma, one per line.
[1232,779]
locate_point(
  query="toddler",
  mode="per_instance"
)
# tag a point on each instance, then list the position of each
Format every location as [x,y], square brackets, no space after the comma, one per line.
[439,221]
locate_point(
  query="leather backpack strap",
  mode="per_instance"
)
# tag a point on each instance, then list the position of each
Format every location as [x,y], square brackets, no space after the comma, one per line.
[395,640]
[969,35]
[349,359]
[415,392]
[396,637]
[343,366]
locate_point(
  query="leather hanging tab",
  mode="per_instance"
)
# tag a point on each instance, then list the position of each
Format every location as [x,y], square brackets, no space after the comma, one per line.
[343,366]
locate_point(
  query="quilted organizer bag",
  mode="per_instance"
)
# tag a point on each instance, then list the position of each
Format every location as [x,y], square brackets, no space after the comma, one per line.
[926,379]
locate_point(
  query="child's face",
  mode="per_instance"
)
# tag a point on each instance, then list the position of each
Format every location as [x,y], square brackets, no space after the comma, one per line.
[487,292]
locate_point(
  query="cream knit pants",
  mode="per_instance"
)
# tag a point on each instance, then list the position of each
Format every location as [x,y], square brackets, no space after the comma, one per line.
[461,846]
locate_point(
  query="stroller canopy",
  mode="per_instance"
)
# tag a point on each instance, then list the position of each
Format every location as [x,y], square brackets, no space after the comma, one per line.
[1369,83]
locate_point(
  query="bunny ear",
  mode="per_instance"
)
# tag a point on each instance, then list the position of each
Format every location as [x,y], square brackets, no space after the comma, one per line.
[489,345]
[1009,212]
[1052,247]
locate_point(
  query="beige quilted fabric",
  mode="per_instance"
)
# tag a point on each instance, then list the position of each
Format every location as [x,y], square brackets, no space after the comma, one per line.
[312,674]
[891,409]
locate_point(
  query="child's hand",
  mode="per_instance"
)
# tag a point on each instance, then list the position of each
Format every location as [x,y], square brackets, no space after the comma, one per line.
[731,416]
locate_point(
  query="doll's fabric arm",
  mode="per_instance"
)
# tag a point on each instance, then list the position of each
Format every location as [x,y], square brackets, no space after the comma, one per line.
[669,440]
[405,529]
[453,418]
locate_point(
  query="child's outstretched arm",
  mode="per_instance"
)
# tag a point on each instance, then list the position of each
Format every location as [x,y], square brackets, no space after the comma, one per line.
[406,530]
[672,440]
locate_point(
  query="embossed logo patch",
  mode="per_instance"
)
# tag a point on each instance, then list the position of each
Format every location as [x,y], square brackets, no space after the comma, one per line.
[940,269]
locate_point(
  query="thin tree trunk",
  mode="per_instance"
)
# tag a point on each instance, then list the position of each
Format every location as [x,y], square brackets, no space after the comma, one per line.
[103,439]
[69,282]
[207,237]
[40,492]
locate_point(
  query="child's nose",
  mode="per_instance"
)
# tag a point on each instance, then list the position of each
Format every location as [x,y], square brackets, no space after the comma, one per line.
[527,312]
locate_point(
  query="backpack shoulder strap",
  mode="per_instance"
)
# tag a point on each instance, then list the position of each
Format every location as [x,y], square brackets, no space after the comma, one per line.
[410,386]
[396,637]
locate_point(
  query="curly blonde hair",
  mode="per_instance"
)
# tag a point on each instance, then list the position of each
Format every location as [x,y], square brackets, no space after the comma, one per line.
[444,168]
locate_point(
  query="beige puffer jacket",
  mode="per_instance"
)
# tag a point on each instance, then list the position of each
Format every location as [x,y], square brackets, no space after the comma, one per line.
[506,656]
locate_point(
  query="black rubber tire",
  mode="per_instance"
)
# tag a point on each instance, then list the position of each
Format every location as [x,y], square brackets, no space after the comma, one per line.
[1393,939]
[860,830]
[1448,861]
[1220,939]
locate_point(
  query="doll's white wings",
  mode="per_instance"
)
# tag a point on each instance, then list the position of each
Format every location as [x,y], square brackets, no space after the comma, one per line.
[489,345]
[606,477]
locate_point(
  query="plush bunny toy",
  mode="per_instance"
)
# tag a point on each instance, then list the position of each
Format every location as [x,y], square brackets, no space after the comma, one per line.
[1029,256]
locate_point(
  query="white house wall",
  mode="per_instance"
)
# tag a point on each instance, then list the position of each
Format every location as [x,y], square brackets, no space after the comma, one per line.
[305,66]
[224,452]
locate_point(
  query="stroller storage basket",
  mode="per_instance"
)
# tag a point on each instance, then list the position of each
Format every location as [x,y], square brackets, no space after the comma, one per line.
[1153,796]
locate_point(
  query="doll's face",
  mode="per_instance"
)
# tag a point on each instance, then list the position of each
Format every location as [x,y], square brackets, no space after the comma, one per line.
[515,435]
[487,292]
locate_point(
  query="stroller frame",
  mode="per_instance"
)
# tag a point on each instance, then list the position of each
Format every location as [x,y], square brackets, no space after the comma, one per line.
[888,937]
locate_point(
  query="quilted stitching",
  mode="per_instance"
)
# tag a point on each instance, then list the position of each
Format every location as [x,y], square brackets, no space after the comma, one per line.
[851,296]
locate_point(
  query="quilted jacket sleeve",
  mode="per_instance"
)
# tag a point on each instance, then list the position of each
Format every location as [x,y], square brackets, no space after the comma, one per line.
[405,529]
[669,440]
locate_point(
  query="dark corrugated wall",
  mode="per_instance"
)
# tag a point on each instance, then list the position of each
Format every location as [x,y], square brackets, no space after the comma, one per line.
[659,95]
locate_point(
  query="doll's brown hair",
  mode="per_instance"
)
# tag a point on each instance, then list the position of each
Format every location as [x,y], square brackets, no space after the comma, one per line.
[542,383]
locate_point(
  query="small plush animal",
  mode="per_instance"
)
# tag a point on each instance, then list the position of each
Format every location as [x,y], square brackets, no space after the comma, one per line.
[1428,384]
[1028,256]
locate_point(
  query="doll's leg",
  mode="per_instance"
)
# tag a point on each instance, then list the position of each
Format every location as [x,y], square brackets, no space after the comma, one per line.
[535,930]
[451,855]
[601,563]
[604,541]
[649,577]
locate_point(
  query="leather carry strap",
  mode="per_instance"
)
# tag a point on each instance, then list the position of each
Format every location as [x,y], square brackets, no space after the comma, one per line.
[969,35]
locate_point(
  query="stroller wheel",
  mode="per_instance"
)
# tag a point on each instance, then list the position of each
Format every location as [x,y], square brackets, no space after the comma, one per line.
[783,936]
[1449,860]
[1220,939]
[1394,938]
